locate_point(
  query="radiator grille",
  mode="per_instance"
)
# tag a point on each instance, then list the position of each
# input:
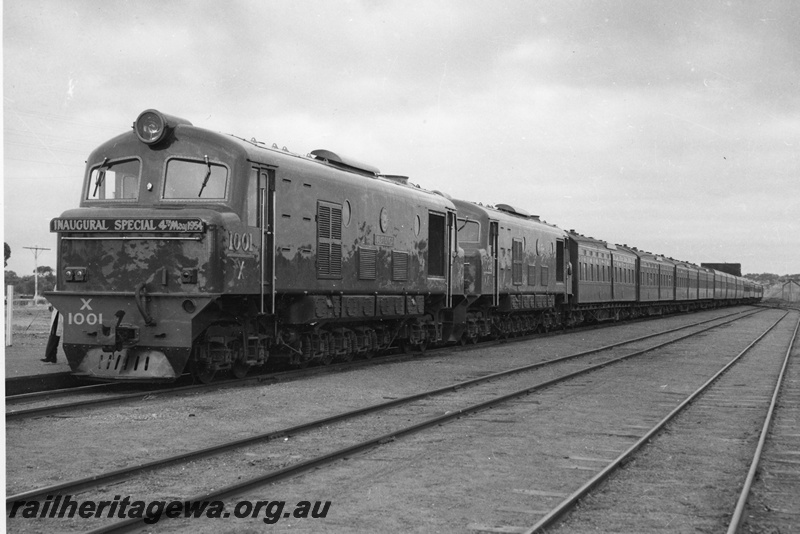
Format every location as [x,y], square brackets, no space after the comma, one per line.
[367,263]
[399,266]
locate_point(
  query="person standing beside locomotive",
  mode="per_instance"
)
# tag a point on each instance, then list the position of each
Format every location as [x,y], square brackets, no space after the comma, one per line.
[51,350]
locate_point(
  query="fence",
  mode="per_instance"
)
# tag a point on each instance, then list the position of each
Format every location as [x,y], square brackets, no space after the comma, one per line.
[9,314]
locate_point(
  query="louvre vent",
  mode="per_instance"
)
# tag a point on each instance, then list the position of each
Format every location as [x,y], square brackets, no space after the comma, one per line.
[329,240]
[336,260]
[336,223]
[323,259]
[367,263]
[399,266]
[324,222]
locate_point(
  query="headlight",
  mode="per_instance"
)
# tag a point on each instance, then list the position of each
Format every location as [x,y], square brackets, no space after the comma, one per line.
[76,274]
[151,126]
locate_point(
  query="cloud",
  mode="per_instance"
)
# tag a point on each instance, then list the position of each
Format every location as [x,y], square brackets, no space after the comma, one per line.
[591,114]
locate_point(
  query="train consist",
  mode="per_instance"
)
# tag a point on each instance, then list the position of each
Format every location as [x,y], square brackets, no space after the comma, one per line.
[194,251]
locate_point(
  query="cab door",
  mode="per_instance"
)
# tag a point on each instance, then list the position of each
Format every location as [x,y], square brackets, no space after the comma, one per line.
[494,233]
[455,268]
[261,220]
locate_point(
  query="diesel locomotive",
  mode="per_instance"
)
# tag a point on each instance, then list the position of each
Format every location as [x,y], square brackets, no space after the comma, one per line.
[198,252]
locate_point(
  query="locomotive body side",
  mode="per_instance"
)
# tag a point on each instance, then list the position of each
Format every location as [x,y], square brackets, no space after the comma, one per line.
[516,270]
[352,250]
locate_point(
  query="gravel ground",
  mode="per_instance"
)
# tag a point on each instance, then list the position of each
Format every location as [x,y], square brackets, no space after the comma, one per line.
[470,474]
[690,477]
[31,328]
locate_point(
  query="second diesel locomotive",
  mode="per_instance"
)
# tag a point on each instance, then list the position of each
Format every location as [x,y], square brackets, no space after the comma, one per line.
[197,251]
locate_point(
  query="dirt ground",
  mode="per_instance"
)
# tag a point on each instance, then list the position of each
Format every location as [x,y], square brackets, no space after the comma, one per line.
[31,328]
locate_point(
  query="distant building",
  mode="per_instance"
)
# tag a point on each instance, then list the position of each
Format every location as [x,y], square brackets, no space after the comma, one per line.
[791,291]
[731,268]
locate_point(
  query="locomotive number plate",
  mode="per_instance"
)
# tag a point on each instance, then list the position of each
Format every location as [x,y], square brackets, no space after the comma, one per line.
[383,240]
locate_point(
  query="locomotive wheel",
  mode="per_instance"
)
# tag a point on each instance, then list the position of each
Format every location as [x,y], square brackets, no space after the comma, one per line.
[297,363]
[201,370]
[239,369]
[301,356]
[203,373]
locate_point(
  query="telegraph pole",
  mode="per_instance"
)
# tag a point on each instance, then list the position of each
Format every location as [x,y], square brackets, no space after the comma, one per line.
[36,250]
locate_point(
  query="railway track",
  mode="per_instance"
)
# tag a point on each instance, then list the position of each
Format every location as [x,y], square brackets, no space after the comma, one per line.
[20,385]
[90,396]
[419,407]
[771,502]
[100,395]
[728,389]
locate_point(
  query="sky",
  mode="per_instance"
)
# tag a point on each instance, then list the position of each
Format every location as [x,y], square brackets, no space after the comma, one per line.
[672,126]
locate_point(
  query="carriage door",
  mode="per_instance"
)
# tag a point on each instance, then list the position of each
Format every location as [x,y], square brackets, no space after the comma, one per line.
[261,216]
[494,232]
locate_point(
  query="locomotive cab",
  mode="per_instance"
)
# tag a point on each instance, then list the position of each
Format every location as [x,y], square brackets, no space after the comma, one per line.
[138,260]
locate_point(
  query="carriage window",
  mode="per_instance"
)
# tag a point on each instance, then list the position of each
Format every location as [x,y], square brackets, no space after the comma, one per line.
[253,199]
[192,180]
[468,231]
[114,181]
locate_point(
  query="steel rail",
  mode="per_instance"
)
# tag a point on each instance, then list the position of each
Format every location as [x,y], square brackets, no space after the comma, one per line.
[571,500]
[300,467]
[96,480]
[18,385]
[738,512]
[54,393]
